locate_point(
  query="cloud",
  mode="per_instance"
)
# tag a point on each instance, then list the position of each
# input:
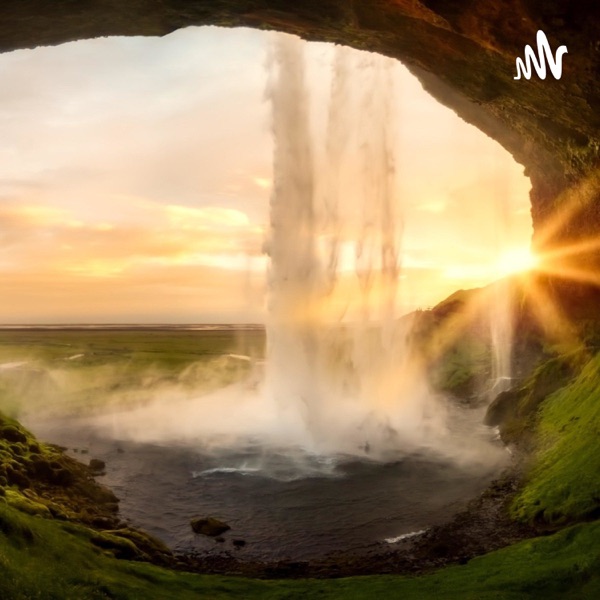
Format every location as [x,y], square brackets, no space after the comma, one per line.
[46,238]
[208,216]
[136,168]
[162,294]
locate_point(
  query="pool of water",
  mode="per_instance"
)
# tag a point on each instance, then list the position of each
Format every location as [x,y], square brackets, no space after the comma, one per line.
[285,503]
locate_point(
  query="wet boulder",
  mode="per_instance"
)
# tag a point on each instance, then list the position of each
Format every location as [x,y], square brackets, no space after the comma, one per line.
[209,526]
[97,466]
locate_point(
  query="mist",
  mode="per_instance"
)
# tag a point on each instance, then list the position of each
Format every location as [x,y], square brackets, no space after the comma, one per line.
[340,378]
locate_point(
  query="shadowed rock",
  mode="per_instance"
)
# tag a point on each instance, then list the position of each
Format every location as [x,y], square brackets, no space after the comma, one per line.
[209,526]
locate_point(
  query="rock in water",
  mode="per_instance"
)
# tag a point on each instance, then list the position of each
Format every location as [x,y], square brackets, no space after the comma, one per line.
[209,526]
[97,466]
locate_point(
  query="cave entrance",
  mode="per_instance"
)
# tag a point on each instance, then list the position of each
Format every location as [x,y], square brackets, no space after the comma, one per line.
[137,178]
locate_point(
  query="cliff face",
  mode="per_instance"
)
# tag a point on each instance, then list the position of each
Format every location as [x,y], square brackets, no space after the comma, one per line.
[463,51]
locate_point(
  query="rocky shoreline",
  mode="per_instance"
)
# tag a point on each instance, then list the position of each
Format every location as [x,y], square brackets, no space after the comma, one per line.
[41,479]
[483,526]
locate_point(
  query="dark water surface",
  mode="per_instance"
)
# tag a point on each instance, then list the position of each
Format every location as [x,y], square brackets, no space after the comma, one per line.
[284,505]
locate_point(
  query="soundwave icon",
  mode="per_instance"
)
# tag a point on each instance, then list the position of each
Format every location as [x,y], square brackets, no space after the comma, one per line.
[539,62]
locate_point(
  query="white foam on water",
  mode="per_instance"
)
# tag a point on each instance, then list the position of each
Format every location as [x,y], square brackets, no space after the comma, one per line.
[217,470]
[405,536]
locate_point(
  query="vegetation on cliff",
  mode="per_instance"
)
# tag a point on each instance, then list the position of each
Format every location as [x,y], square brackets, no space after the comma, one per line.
[562,485]
[61,537]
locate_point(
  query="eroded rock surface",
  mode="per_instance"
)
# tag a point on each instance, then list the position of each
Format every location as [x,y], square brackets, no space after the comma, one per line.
[40,479]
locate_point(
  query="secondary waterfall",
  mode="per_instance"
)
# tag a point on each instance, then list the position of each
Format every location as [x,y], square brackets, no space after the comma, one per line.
[501,301]
[337,361]
[501,334]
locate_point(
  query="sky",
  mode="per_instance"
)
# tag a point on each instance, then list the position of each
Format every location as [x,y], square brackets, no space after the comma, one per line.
[135,177]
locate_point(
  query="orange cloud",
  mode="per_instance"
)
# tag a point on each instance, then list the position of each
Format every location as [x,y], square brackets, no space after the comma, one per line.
[44,238]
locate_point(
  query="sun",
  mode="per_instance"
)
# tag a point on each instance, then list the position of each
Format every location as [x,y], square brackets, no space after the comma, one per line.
[516,260]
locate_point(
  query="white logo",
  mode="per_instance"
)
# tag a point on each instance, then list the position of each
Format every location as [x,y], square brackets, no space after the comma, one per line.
[539,62]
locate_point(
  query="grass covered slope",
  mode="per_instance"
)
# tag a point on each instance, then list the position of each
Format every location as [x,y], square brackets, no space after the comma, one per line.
[563,485]
[47,559]
[55,546]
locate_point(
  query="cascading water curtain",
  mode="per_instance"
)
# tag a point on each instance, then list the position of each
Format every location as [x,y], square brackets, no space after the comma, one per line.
[337,362]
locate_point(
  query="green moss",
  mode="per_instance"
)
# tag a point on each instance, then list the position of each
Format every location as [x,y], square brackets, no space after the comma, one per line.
[461,369]
[563,483]
[449,340]
[13,525]
[58,562]
[45,558]
[516,410]
[119,546]
[26,505]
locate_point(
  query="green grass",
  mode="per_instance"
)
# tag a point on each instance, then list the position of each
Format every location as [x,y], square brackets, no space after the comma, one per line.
[117,367]
[517,411]
[563,484]
[462,367]
[453,338]
[49,560]
[171,350]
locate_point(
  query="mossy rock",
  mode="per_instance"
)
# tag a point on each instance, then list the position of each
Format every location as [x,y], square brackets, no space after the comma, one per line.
[34,448]
[40,468]
[58,512]
[26,505]
[147,544]
[515,410]
[15,476]
[12,434]
[18,449]
[63,477]
[119,546]
[503,407]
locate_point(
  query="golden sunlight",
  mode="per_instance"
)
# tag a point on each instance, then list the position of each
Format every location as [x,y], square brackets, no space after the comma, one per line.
[516,260]
[182,206]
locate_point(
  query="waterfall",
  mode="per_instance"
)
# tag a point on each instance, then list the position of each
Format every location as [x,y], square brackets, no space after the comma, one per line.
[501,335]
[501,302]
[293,277]
[337,359]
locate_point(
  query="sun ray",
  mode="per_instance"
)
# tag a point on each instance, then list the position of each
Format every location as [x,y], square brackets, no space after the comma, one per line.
[578,249]
[572,273]
[447,333]
[570,204]
[548,314]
